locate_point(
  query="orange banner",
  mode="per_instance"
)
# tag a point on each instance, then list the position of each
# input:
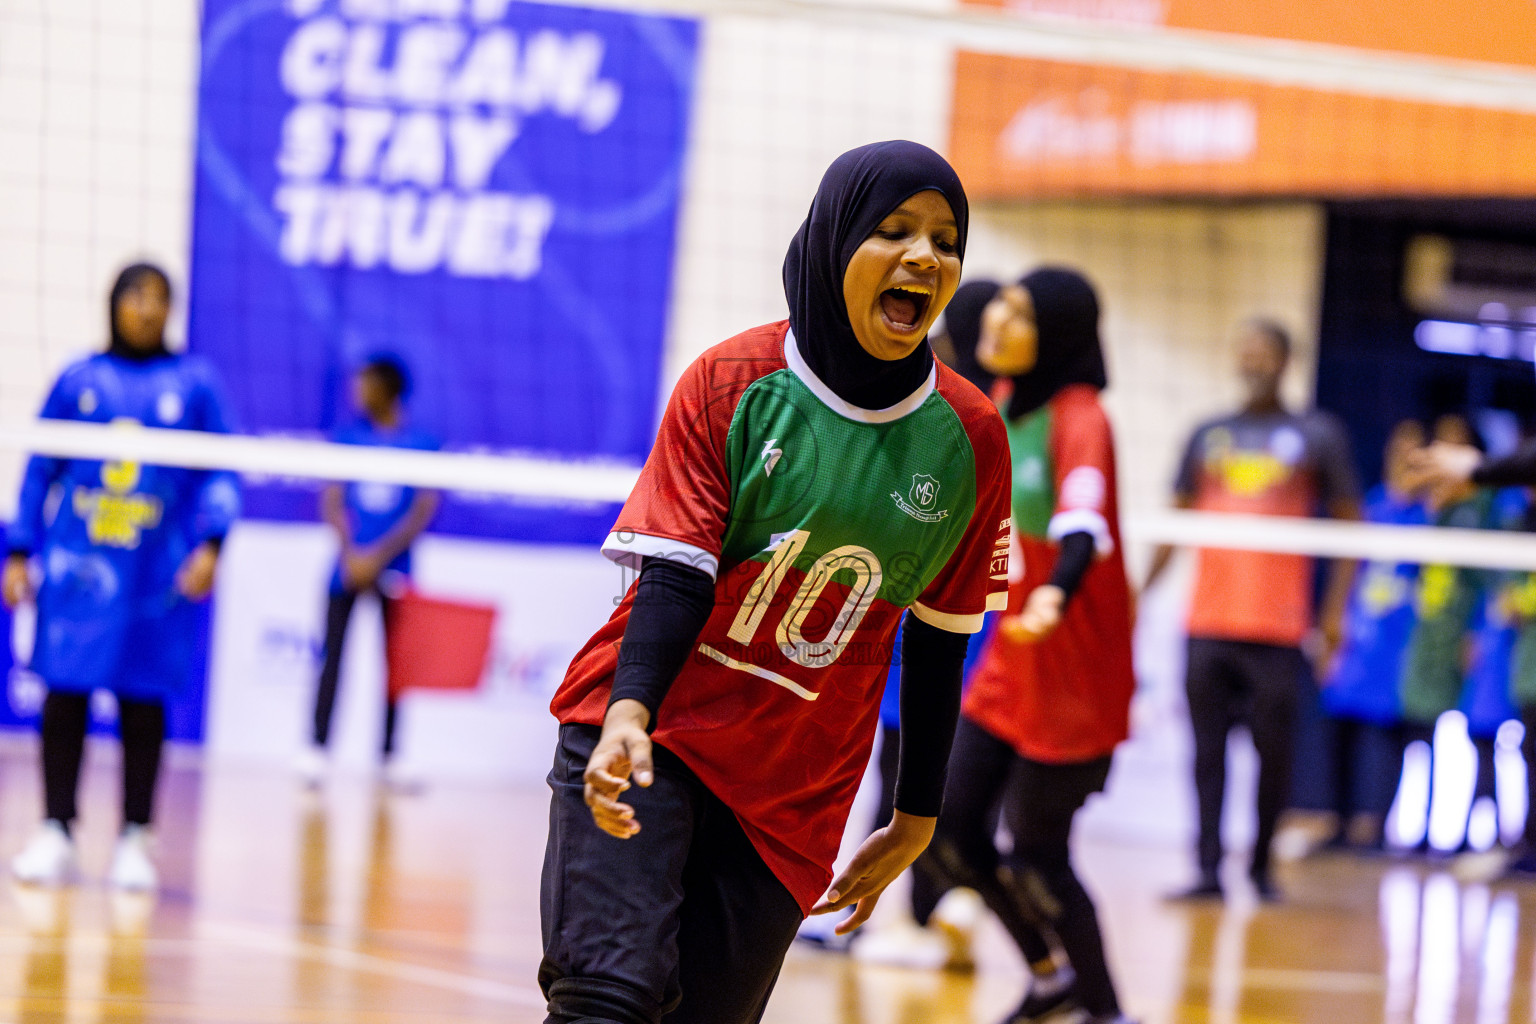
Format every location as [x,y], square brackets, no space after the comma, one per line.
[1499,31]
[1026,128]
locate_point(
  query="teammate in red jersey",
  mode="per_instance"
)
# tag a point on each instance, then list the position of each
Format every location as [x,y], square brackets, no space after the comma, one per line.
[1050,699]
[811,480]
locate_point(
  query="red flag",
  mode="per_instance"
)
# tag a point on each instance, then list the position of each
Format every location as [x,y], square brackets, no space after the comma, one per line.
[436,644]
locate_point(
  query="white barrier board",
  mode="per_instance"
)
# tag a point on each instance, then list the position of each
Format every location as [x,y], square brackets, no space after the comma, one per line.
[269,628]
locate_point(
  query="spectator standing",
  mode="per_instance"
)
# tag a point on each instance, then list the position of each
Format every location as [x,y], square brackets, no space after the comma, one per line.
[1251,612]
[1360,690]
[375,524]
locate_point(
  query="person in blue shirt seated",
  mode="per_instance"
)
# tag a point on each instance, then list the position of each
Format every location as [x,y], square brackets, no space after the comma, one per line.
[376,524]
[114,553]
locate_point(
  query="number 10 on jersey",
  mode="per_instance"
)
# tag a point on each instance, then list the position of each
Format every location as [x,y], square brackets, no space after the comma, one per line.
[792,644]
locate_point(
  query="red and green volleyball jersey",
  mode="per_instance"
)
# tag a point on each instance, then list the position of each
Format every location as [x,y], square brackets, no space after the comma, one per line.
[821,523]
[1067,698]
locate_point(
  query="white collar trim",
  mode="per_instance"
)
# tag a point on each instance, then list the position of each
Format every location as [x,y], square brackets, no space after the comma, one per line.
[847,410]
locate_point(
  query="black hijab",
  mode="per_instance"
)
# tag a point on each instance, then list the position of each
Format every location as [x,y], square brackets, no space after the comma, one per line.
[1067,322]
[130,277]
[962,320]
[859,190]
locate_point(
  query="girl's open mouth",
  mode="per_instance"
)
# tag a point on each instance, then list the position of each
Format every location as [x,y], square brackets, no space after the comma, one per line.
[902,308]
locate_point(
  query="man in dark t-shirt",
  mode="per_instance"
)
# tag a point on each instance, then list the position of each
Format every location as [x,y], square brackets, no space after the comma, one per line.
[1251,611]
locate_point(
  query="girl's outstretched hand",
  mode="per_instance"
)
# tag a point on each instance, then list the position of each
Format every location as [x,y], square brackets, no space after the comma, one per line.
[883,856]
[622,752]
[1040,617]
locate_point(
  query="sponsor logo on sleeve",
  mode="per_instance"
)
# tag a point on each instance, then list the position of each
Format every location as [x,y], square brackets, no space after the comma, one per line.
[1001,549]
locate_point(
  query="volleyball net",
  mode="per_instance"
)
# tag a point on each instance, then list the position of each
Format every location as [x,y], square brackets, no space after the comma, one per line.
[548,210]
[266,459]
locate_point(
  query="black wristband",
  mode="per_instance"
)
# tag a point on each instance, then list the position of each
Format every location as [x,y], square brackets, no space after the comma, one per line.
[1517,469]
[932,664]
[1073,560]
[671,604]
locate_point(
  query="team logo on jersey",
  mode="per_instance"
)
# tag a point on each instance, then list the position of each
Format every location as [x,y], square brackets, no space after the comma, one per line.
[115,515]
[921,499]
[1384,590]
[169,407]
[376,497]
[771,455]
[88,401]
[1288,445]
[1030,474]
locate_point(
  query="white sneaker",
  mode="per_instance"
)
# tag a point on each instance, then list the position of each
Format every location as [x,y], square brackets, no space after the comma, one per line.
[310,765]
[904,944]
[131,867]
[48,859]
[957,917]
[401,778]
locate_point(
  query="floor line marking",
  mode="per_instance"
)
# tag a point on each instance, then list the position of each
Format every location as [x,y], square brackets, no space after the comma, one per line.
[1315,981]
[483,988]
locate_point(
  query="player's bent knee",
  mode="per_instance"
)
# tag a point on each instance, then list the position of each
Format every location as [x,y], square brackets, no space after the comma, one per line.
[949,857]
[1030,889]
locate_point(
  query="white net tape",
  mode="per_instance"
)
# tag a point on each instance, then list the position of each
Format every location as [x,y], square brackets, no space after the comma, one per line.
[319,460]
[560,481]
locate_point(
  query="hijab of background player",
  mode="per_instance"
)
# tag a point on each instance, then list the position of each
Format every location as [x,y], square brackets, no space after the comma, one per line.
[131,277]
[1067,326]
[859,190]
[962,322]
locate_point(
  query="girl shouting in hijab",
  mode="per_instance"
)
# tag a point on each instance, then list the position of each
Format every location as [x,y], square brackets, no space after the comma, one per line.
[1051,697]
[812,481]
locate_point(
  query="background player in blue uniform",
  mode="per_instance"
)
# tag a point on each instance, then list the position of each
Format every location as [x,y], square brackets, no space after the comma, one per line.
[121,549]
[1360,692]
[376,524]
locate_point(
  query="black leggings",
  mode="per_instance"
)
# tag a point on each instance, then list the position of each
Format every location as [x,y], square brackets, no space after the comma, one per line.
[338,613]
[1033,889]
[1231,682]
[66,718]
[1366,761]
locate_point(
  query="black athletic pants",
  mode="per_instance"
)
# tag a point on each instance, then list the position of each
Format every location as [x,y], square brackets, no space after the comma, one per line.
[1033,889]
[66,717]
[1230,682]
[682,922]
[338,613]
[1366,761]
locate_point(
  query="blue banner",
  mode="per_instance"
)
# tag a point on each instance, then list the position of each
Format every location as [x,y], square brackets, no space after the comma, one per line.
[487,189]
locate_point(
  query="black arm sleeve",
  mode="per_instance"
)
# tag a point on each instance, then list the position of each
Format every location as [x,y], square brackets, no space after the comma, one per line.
[1072,563]
[932,662]
[672,603]
[1517,469]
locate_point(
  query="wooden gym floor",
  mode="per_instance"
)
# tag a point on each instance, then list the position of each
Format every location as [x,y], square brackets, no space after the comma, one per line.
[358,907]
